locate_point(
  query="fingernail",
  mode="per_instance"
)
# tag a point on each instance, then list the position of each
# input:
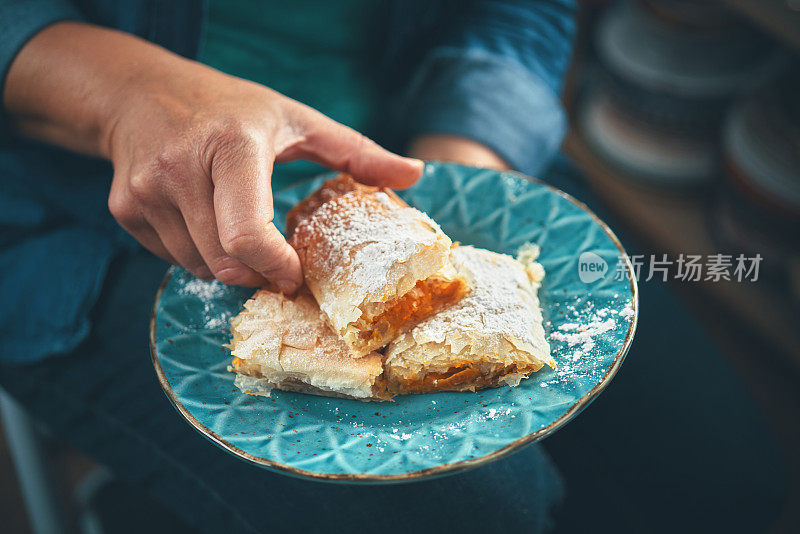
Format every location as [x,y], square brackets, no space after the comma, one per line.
[418,162]
[286,287]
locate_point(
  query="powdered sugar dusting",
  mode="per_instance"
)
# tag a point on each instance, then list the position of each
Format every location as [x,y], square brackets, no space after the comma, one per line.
[218,322]
[584,327]
[207,292]
[582,335]
[204,290]
[627,311]
[503,301]
[362,236]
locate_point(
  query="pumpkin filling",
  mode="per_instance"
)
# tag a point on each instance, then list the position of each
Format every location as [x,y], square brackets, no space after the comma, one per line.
[465,377]
[425,299]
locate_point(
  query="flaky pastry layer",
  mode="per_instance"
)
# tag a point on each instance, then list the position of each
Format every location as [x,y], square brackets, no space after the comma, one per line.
[492,336]
[285,343]
[364,253]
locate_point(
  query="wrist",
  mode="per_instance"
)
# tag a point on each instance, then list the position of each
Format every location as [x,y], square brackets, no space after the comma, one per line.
[71,82]
[146,89]
[456,149]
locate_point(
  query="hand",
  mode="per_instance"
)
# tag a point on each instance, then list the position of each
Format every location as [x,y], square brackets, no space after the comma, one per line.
[456,149]
[192,148]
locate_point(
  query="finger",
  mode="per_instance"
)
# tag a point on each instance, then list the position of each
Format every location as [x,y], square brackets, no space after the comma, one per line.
[150,240]
[243,209]
[172,231]
[340,148]
[130,218]
[198,212]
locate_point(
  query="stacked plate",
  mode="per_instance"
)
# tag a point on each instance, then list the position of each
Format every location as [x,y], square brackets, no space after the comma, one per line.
[665,75]
[762,148]
[759,210]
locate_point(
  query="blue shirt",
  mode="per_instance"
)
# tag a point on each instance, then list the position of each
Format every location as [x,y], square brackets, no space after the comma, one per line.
[489,70]
[317,52]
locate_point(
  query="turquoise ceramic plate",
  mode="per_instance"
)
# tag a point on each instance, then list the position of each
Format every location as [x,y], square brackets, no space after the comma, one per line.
[589,302]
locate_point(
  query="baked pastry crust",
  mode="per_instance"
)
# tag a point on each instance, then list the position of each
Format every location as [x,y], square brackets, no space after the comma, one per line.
[376,266]
[284,343]
[493,336]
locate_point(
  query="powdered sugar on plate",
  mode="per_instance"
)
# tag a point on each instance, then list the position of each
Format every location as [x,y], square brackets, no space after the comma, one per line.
[204,290]
[582,329]
[583,335]
[207,292]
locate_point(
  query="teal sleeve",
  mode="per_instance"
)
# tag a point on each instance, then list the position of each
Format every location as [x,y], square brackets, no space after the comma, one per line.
[494,75]
[20,20]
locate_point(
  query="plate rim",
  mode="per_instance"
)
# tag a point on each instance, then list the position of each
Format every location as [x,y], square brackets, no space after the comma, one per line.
[442,469]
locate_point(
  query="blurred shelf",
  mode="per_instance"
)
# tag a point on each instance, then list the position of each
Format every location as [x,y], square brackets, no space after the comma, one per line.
[756,326]
[780,18]
[677,224]
[672,223]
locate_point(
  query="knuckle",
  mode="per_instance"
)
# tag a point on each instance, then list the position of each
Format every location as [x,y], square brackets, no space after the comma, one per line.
[142,186]
[168,171]
[234,133]
[275,263]
[170,160]
[357,145]
[361,144]
[226,268]
[242,242]
[122,208]
[361,141]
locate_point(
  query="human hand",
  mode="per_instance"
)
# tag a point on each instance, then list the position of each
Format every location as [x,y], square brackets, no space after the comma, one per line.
[193,160]
[192,148]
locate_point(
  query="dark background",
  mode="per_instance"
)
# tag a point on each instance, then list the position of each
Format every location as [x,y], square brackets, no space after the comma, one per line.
[665,203]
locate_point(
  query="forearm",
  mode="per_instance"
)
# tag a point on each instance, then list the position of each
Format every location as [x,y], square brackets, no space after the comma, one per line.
[192,148]
[494,78]
[68,82]
[457,149]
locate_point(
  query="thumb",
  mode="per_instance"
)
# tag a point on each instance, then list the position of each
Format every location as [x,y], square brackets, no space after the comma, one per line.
[243,209]
[325,141]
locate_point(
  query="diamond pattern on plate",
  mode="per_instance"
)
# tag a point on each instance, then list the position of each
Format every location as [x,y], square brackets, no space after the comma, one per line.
[317,436]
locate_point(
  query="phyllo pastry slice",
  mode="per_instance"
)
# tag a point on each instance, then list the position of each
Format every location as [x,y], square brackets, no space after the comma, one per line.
[493,336]
[376,266]
[284,343]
